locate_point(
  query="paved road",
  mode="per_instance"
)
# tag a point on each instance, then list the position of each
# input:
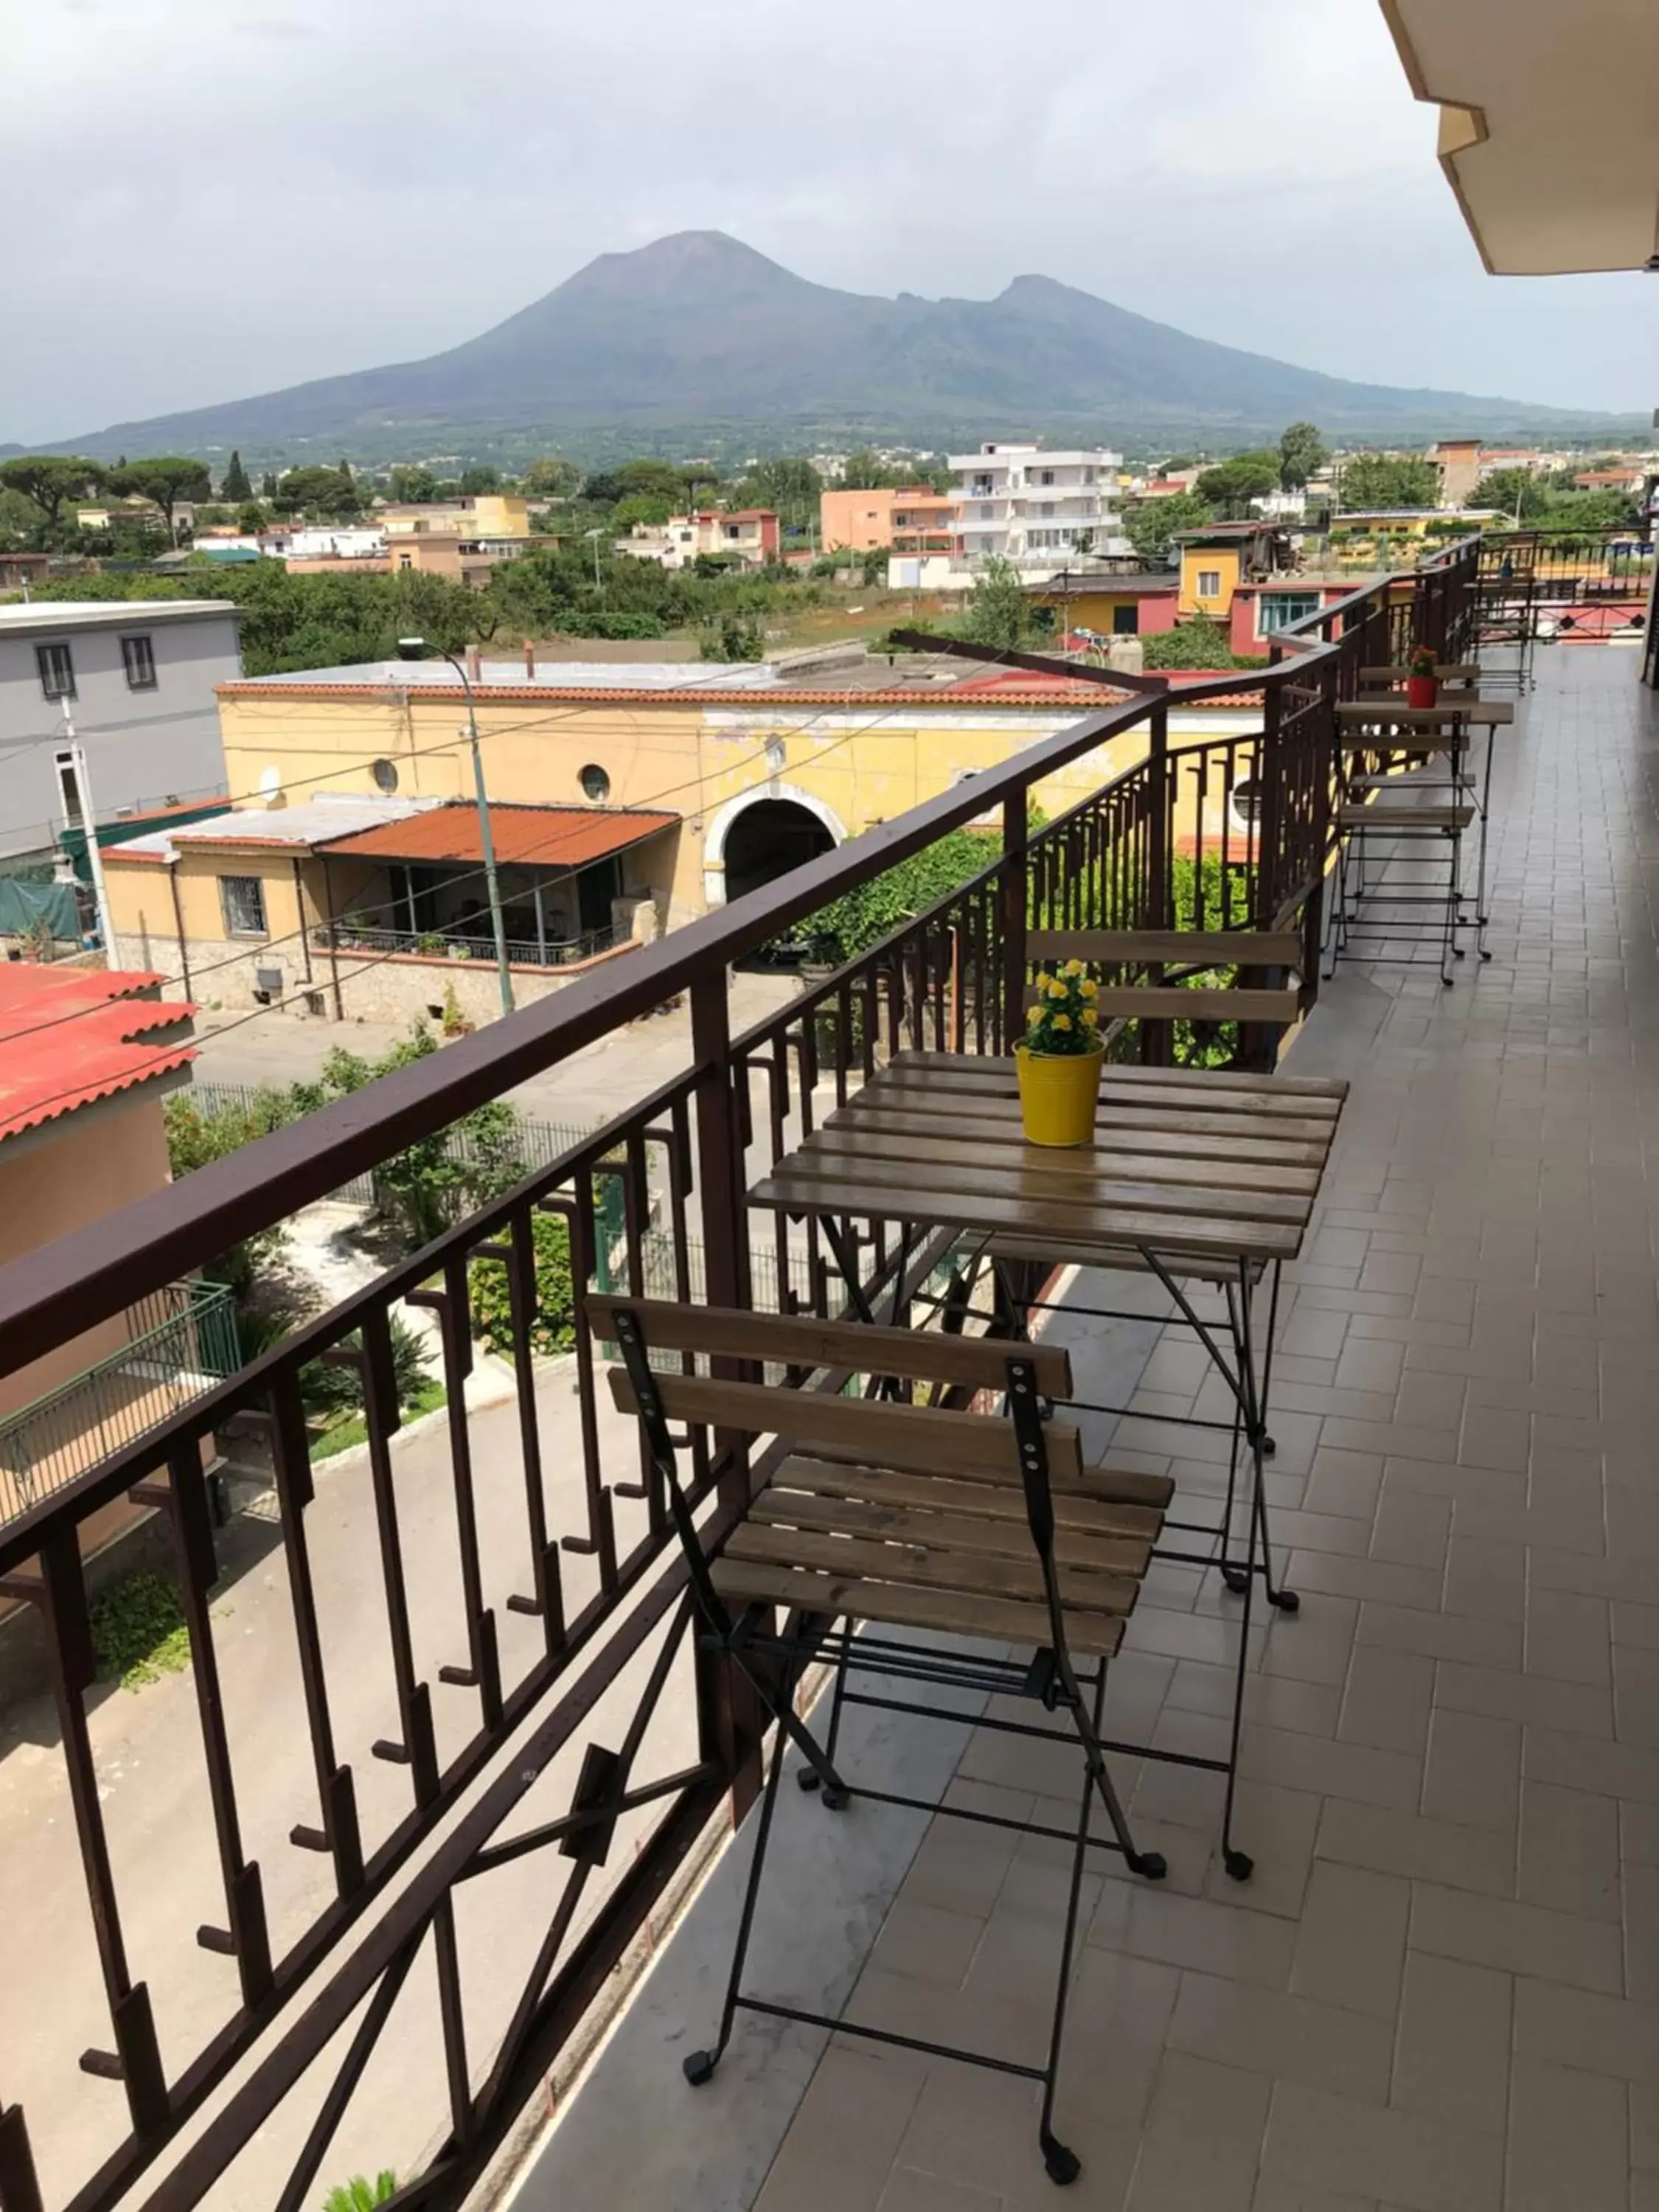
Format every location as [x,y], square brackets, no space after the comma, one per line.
[603,1079]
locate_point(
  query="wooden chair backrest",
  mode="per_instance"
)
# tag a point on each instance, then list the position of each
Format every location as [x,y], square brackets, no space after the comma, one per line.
[926,1439]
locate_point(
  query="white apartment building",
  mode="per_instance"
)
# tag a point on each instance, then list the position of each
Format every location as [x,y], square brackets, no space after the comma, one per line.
[1038,509]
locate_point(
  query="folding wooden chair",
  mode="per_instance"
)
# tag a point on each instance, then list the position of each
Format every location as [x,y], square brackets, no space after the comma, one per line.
[931,1518]
[1271,1005]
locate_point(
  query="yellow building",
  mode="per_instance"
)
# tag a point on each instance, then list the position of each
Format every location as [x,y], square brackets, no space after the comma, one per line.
[1220,557]
[701,784]
[482,514]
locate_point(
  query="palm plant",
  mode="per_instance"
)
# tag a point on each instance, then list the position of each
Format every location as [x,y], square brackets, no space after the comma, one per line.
[360,2196]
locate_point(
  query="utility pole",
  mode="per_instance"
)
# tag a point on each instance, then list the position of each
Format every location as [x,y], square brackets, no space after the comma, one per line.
[83,780]
[413,648]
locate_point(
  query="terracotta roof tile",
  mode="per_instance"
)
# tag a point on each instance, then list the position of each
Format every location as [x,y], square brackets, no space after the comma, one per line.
[71,1036]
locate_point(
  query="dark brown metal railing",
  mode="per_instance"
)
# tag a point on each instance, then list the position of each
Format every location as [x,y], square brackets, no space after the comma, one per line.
[492,1708]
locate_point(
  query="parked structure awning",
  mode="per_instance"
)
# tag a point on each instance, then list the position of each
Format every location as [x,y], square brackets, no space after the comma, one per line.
[524,836]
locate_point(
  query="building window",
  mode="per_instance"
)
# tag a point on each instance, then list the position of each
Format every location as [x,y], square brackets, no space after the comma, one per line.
[140,664]
[1278,609]
[595,783]
[1126,619]
[1209,583]
[69,788]
[384,773]
[57,669]
[243,901]
[405,560]
[1047,476]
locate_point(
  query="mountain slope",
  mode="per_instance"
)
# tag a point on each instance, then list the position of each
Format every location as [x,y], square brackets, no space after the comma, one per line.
[700,328]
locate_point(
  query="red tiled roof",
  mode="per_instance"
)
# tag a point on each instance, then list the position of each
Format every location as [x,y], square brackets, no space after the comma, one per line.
[1054,690]
[71,1036]
[549,836]
[629,701]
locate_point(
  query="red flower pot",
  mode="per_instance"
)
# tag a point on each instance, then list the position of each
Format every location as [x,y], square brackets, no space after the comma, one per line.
[1422,690]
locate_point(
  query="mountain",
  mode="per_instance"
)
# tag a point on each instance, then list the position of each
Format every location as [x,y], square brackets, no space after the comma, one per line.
[699,329]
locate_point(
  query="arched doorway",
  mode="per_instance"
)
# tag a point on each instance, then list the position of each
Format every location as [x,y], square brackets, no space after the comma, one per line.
[768,838]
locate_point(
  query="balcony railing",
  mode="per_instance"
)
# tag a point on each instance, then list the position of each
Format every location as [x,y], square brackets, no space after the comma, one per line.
[347,936]
[181,1340]
[497,1768]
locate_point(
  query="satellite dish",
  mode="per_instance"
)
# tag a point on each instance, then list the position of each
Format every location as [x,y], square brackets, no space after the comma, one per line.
[271,786]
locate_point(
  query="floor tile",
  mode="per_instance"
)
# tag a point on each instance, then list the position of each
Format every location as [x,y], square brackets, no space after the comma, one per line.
[1203,2139]
[1514,1938]
[1479,1859]
[1405,2158]
[1451,2058]
[1292,2038]
[1351,1946]
[1568,2140]
[1473,1774]
[1568,1851]
[1387,1701]
[1576,2027]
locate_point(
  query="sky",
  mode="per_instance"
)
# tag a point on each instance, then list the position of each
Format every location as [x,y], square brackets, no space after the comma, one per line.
[231,200]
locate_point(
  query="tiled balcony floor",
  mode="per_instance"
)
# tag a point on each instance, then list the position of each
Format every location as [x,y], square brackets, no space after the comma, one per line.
[1441,1991]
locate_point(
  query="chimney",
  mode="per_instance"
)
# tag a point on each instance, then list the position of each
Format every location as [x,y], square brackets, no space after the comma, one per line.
[474,665]
[529,660]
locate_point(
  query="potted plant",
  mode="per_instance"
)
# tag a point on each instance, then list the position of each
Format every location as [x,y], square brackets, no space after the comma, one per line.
[1059,1062]
[1422,684]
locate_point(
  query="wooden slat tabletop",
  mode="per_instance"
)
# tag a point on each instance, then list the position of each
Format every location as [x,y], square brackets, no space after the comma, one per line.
[1456,707]
[1184,1159]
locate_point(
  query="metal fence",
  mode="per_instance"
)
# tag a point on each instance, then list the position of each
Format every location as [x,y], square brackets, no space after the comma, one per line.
[180,1341]
[448,944]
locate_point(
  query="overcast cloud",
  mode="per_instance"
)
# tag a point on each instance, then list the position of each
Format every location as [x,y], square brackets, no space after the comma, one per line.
[206,201]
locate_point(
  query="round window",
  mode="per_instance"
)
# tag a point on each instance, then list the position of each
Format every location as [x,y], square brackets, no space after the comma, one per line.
[595,783]
[385,776]
[1244,801]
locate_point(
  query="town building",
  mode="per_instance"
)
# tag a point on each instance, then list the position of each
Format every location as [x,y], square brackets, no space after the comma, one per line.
[1461,464]
[1035,508]
[1631,477]
[746,537]
[86,1059]
[19,571]
[910,518]
[385,900]
[133,680]
[482,514]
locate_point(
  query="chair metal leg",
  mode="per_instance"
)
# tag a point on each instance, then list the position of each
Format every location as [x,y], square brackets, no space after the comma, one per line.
[808,1777]
[700,2064]
[1062,2164]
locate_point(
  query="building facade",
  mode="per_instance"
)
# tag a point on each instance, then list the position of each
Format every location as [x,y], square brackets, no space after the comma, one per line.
[1035,508]
[134,681]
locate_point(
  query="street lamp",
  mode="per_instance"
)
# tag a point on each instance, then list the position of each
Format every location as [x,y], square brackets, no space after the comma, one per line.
[593,538]
[415,649]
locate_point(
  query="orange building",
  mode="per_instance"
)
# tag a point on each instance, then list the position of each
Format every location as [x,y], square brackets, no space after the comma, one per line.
[874,521]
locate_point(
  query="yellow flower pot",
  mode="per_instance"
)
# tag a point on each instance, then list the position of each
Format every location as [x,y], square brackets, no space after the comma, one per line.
[1057,1095]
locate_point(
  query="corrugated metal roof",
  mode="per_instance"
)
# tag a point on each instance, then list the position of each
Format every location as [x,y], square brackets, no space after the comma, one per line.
[314,822]
[71,1036]
[544,836]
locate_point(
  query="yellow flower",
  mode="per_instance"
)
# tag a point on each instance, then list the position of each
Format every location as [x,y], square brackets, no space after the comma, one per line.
[1034,1013]
[1090,1018]
[1054,986]
[1062,1021]
[1073,968]
[1090,990]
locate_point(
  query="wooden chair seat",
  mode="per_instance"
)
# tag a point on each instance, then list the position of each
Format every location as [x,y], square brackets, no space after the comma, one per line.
[1379,816]
[922,1551]
[1180,1002]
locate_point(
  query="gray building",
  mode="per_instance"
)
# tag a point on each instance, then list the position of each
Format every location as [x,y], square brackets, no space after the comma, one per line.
[135,678]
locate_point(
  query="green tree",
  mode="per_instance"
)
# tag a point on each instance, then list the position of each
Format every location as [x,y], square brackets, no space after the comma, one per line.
[50,479]
[479,477]
[852,923]
[702,480]
[642,479]
[553,1328]
[1151,524]
[732,635]
[998,611]
[268,484]
[864,469]
[317,490]
[1514,492]
[234,487]
[1301,450]
[251,515]
[638,507]
[791,486]
[413,483]
[1232,484]
[1367,481]
[1200,643]
[360,2196]
[550,477]
[167,479]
